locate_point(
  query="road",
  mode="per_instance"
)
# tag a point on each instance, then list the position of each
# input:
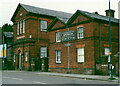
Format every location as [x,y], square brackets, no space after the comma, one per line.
[32,78]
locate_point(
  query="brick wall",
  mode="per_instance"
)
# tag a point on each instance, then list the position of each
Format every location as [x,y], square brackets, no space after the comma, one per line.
[96,38]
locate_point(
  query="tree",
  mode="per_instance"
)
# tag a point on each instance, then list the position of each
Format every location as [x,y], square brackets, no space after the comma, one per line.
[7,28]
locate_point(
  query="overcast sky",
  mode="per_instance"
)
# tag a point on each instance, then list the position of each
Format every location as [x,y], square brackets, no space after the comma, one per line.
[7,7]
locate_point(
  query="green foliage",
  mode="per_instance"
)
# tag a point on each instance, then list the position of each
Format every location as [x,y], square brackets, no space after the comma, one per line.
[99,72]
[7,28]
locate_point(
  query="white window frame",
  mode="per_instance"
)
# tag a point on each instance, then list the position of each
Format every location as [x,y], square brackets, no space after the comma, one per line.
[23,25]
[80,34]
[43,52]
[58,56]
[58,37]
[14,57]
[80,55]
[26,56]
[43,25]
[107,50]
[17,28]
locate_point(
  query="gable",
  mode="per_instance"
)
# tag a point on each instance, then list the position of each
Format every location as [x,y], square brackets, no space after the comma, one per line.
[56,23]
[19,14]
[78,17]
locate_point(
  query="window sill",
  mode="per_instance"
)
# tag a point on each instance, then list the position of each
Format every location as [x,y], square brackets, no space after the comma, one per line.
[43,31]
[58,41]
[58,62]
[80,62]
[81,38]
[43,57]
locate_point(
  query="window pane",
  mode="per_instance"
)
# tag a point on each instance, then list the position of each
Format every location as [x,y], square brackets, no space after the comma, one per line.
[106,51]
[43,25]
[80,51]
[58,56]
[14,57]
[18,28]
[24,26]
[109,58]
[26,53]
[80,32]
[80,54]
[57,36]
[43,52]
[80,58]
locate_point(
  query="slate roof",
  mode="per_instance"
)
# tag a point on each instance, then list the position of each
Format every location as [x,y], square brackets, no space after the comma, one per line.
[101,17]
[61,15]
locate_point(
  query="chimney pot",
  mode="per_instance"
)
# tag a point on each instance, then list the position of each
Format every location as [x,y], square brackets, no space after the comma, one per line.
[111,12]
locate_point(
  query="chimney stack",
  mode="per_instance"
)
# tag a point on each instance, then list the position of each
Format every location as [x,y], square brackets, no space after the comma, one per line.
[111,12]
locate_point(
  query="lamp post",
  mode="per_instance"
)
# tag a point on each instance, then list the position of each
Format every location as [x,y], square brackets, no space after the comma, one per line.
[110,42]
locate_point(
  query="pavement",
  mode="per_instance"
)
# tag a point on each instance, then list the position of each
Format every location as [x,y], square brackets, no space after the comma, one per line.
[80,76]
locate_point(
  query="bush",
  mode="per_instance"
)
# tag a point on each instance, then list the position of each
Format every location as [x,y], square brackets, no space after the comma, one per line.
[99,72]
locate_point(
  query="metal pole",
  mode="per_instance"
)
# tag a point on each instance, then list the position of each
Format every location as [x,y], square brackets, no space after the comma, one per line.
[68,55]
[3,50]
[110,41]
[68,58]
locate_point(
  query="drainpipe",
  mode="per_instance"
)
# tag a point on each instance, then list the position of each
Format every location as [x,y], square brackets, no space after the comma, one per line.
[38,39]
[99,43]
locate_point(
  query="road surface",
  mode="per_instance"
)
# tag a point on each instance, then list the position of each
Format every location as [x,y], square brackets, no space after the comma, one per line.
[32,78]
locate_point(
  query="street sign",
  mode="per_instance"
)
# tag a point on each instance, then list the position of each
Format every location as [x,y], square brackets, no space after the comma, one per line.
[68,45]
[109,53]
[68,35]
[1,51]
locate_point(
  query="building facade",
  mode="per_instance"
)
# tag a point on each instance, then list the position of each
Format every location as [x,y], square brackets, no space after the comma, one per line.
[49,40]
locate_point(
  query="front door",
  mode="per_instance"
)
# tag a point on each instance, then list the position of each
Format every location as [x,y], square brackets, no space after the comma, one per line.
[19,60]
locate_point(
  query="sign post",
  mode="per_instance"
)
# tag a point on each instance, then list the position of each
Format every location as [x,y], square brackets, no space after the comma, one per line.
[68,50]
[66,37]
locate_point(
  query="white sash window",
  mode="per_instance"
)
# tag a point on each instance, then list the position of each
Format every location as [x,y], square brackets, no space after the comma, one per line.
[43,52]
[24,26]
[17,28]
[80,32]
[57,36]
[43,25]
[58,56]
[80,54]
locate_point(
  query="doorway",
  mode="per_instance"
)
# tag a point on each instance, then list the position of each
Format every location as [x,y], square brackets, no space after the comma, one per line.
[19,60]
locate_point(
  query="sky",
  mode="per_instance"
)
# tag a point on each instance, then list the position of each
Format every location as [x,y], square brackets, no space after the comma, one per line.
[8,7]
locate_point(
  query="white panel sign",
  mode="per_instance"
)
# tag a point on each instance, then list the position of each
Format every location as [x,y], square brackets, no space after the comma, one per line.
[1,51]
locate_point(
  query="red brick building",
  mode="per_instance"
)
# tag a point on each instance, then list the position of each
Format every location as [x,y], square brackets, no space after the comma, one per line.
[41,37]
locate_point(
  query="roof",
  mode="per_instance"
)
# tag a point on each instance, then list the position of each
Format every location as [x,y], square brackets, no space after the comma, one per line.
[60,15]
[8,34]
[63,16]
[101,17]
